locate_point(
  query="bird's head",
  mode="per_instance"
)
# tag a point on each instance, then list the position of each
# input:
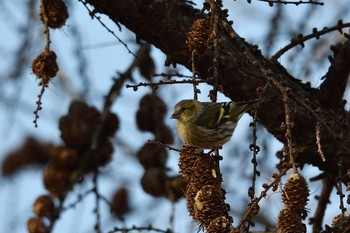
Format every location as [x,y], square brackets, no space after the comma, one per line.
[186,110]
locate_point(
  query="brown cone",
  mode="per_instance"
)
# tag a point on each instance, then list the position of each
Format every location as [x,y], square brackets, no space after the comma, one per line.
[295,193]
[290,222]
[197,37]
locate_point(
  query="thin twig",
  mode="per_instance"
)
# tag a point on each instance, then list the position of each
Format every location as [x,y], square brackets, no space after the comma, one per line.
[169,75]
[195,90]
[47,49]
[113,93]
[57,213]
[79,199]
[318,141]
[214,20]
[315,34]
[47,30]
[92,14]
[263,194]
[144,84]
[255,149]
[38,108]
[292,2]
[288,134]
[165,145]
[140,229]
[97,202]
[172,215]
[339,186]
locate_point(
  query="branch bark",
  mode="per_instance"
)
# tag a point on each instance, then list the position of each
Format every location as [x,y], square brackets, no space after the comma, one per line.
[333,88]
[243,69]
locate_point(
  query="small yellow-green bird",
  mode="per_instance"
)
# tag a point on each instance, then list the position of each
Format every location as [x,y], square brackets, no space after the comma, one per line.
[209,125]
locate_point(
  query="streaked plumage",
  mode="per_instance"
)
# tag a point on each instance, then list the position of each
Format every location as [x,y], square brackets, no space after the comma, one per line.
[209,125]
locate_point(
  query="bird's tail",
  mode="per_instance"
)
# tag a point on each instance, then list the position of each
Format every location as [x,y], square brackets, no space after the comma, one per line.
[237,109]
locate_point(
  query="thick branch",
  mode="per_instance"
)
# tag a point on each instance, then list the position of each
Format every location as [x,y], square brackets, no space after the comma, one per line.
[333,88]
[243,69]
[323,201]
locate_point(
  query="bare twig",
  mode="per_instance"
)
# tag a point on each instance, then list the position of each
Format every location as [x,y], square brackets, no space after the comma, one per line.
[165,145]
[271,2]
[144,84]
[92,14]
[339,186]
[318,141]
[38,104]
[169,75]
[315,34]
[323,201]
[215,7]
[255,150]
[254,204]
[44,84]
[111,97]
[97,202]
[57,214]
[47,30]
[172,216]
[79,199]
[288,135]
[195,89]
[140,229]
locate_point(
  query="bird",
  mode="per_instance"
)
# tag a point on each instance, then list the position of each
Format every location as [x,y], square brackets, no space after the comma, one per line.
[209,125]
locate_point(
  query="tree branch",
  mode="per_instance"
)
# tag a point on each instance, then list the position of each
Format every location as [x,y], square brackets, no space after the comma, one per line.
[243,70]
[317,220]
[333,88]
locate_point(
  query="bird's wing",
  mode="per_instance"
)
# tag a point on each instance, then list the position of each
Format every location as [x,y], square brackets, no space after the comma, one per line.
[213,114]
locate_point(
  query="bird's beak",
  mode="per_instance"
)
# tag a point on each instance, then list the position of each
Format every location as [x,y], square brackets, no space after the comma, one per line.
[175,115]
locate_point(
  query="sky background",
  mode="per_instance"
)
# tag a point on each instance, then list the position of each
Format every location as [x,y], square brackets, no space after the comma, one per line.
[104,58]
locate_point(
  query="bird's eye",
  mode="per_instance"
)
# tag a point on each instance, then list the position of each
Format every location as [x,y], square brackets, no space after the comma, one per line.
[182,109]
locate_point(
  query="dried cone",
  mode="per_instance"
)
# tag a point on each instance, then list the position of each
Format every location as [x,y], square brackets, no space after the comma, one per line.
[120,204]
[54,13]
[209,203]
[153,182]
[165,134]
[188,156]
[36,225]
[190,193]
[151,113]
[31,152]
[145,62]
[65,158]
[177,187]
[57,181]
[152,155]
[341,224]
[111,125]
[44,206]
[295,193]
[204,171]
[220,224]
[197,37]
[290,222]
[45,66]
[79,125]
[99,156]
